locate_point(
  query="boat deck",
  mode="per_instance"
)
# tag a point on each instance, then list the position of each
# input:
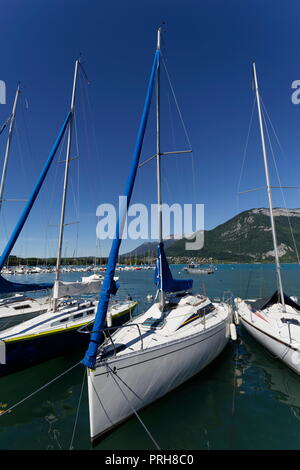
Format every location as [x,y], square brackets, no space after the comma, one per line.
[150,329]
[285,326]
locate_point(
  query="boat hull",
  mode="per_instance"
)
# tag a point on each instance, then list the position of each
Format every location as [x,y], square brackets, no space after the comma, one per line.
[148,375]
[11,320]
[200,271]
[279,349]
[23,353]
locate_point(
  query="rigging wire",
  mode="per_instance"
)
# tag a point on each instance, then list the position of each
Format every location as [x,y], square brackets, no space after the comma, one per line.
[76,195]
[20,151]
[183,125]
[172,131]
[171,123]
[25,117]
[173,134]
[25,126]
[4,224]
[279,181]
[242,168]
[87,108]
[91,189]
[246,146]
[163,173]
[177,105]
[54,190]
[22,165]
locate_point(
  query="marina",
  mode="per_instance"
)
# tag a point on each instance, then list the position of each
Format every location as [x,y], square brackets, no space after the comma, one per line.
[228,392]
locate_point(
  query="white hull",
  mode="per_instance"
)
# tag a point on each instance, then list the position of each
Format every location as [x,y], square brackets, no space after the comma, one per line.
[21,308]
[280,350]
[149,375]
[200,271]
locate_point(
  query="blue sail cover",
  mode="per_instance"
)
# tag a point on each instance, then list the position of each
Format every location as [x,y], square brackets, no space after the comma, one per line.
[8,286]
[89,359]
[163,278]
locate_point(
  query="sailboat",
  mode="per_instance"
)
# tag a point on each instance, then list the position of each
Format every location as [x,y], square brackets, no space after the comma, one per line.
[173,340]
[52,327]
[273,321]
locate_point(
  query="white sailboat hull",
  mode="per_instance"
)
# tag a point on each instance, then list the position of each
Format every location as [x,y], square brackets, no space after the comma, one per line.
[279,349]
[147,375]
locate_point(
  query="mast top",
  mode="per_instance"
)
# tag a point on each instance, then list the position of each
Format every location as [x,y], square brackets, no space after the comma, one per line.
[158,38]
[254,76]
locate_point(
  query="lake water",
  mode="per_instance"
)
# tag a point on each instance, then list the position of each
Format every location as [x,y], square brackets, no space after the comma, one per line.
[245,399]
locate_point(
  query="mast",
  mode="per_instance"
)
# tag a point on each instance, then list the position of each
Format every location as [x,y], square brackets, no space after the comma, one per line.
[158,168]
[8,144]
[63,205]
[108,286]
[268,189]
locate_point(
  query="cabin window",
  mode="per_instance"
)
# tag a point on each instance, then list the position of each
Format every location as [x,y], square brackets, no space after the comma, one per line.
[20,307]
[77,315]
[205,310]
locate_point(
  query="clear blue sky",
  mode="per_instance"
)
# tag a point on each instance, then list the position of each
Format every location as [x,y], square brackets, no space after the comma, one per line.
[210,46]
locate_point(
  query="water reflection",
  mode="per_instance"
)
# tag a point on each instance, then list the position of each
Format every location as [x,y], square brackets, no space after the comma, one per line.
[243,400]
[283,382]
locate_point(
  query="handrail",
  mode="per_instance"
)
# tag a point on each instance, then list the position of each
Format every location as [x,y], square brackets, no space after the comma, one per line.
[288,322]
[289,328]
[82,328]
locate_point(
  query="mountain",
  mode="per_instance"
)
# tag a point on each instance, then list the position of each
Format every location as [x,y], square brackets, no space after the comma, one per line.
[149,248]
[247,237]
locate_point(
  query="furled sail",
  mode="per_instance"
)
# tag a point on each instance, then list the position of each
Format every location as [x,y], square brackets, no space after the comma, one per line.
[266,302]
[90,355]
[7,287]
[163,278]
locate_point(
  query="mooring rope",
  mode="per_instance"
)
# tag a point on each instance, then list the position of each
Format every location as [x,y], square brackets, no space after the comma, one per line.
[38,390]
[134,411]
[77,413]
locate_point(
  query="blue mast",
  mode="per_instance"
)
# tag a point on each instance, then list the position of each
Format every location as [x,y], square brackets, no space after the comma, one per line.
[108,283]
[28,207]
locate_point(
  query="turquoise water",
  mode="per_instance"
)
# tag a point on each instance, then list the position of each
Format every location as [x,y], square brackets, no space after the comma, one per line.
[245,399]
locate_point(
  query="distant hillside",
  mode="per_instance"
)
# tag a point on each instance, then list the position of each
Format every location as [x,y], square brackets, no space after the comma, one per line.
[148,248]
[247,237]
